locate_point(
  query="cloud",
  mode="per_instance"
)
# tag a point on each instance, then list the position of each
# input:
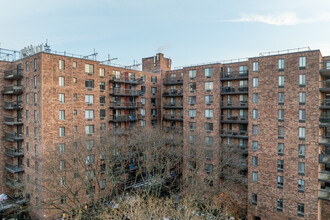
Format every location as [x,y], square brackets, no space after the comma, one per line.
[282,19]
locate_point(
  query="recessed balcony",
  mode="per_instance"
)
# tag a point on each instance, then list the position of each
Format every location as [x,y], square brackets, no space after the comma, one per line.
[13,74]
[324,194]
[324,103]
[173,93]
[124,92]
[234,133]
[13,121]
[235,90]
[173,80]
[324,176]
[324,158]
[173,105]
[13,137]
[125,118]
[325,69]
[125,105]
[13,105]
[234,104]
[126,79]
[173,117]
[234,75]
[14,168]
[12,90]
[239,119]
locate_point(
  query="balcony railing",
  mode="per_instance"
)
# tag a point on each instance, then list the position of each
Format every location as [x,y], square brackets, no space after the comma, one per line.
[173,80]
[12,105]
[125,105]
[234,104]
[324,176]
[13,136]
[235,90]
[234,133]
[126,79]
[325,103]
[173,105]
[173,92]
[324,193]
[324,158]
[14,184]
[124,92]
[173,117]
[14,168]
[13,152]
[125,118]
[13,74]
[13,121]
[234,75]
[12,90]
[237,119]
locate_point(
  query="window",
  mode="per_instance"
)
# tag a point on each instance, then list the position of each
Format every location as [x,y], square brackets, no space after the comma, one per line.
[153,112]
[153,122]
[279,204]
[143,89]
[74,112]
[302,80]
[36,150]
[62,164]
[254,129]
[192,139]
[74,64]
[280,98]
[280,64]
[143,112]
[89,144]
[61,98]
[102,100]
[102,114]
[89,68]
[102,86]
[255,82]
[154,79]
[301,185]
[27,131]
[208,86]
[255,161]
[280,181]
[89,114]
[242,69]
[102,127]
[27,82]
[208,72]
[208,168]
[280,148]
[255,145]
[192,113]
[143,77]
[302,98]
[302,115]
[89,83]
[103,184]
[255,67]
[327,65]
[35,64]
[281,132]
[254,199]
[62,148]
[63,181]
[74,80]
[301,150]
[301,168]
[61,81]
[35,116]
[153,90]
[62,115]
[27,64]
[143,101]
[27,98]
[208,126]
[301,209]
[254,176]
[209,154]
[209,140]
[255,98]
[89,129]
[281,81]
[209,99]
[143,123]
[192,100]
[62,131]
[192,87]
[281,115]
[302,135]
[192,126]
[255,114]
[280,165]
[35,81]
[89,99]
[153,101]
[28,162]
[102,72]
[192,74]
[302,62]
[35,99]
[208,113]
[61,64]
[90,159]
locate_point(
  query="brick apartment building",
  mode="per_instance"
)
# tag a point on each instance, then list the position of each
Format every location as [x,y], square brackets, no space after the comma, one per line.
[275,106]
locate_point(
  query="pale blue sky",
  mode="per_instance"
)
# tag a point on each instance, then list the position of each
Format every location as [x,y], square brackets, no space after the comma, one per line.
[188,31]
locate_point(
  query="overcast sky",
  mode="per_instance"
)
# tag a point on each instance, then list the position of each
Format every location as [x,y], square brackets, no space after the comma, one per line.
[188,31]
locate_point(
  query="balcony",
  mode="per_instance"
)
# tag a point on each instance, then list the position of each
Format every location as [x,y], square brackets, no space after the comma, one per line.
[173,117]
[173,80]
[173,105]
[325,86]
[234,75]
[13,121]
[14,184]
[12,90]
[125,118]
[324,176]
[325,68]
[13,105]
[324,158]
[234,133]
[124,92]
[324,194]
[125,105]
[13,137]
[11,152]
[14,168]
[126,79]
[324,103]
[234,119]
[234,104]
[13,74]
[325,140]
[173,93]
[235,90]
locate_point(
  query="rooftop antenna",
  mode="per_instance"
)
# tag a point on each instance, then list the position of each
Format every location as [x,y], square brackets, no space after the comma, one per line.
[47,47]
[91,55]
[108,61]
[135,64]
